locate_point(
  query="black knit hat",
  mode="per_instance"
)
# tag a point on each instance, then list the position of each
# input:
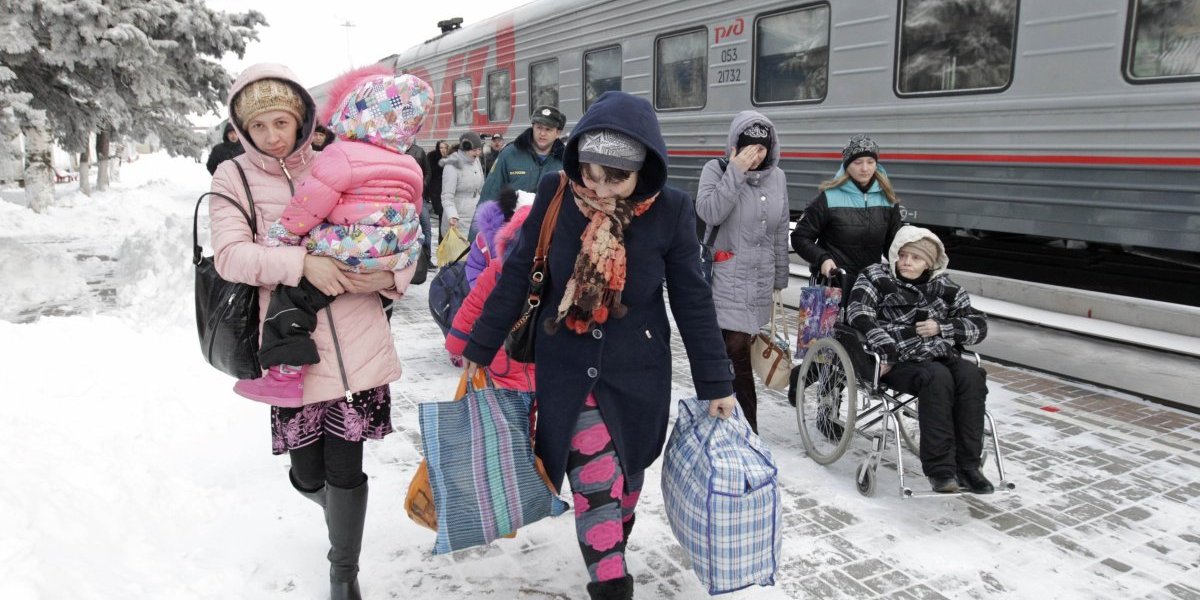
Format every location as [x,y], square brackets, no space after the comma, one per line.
[756,133]
[858,147]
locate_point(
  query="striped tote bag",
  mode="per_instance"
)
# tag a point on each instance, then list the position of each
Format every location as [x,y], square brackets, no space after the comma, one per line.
[721,492]
[482,468]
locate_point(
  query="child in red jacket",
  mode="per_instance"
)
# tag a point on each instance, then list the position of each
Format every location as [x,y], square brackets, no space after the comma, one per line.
[505,372]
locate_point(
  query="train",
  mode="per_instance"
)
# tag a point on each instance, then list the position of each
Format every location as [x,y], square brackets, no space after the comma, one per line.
[1063,127]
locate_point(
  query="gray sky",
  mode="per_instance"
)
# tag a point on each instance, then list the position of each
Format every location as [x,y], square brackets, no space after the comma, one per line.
[314,45]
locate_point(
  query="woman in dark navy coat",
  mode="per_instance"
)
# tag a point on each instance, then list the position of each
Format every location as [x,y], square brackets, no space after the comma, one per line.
[603,350]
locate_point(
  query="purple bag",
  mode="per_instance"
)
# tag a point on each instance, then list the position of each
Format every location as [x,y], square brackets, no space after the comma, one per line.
[818,312]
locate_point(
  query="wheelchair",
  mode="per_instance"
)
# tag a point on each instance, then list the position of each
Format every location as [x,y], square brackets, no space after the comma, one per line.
[837,393]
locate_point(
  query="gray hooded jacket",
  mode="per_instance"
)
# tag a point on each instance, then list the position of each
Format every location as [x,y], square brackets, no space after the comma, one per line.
[752,211]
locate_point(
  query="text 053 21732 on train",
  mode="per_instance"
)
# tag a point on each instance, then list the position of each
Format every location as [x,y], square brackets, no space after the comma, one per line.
[1065,130]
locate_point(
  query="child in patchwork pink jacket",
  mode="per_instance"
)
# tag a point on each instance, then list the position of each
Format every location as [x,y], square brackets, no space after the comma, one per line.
[360,205]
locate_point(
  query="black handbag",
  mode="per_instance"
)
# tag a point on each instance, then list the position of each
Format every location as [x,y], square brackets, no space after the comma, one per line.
[422,272]
[226,312]
[519,344]
[706,255]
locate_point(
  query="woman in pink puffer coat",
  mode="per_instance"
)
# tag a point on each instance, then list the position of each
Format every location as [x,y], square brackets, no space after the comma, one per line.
[361,205]
[275,118]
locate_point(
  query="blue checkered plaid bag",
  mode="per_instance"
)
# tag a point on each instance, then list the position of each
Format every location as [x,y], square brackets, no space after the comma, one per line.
[482,468]
[721,492]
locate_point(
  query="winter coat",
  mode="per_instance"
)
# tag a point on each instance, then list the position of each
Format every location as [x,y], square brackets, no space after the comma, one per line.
[433,180]
[489,219]
[752,211]
[506,373]
[520,168]
[625,362]
[489,159]
[223,151]
[418,154]
[462,178]
[886,308]
[351,183]
[366,342]
[852,227]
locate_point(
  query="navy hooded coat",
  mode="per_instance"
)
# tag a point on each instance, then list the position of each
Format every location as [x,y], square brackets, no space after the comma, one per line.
[625,362]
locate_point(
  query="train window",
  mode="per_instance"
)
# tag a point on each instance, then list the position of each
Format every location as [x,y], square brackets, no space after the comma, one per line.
[462,101]
[1164,40]
[791,56]
[499,96]
[601,73]
[955,47]
[543,84]
[681,70]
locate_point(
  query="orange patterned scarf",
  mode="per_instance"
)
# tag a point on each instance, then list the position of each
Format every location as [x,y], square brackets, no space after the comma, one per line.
[594,291]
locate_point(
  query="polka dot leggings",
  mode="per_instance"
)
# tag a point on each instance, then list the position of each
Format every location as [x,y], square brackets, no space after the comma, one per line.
[604,497]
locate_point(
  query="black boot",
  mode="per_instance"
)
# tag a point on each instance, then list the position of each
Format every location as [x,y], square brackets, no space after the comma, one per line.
[345,514]
[973,481]
[943,483]
[317,495]
[613,589]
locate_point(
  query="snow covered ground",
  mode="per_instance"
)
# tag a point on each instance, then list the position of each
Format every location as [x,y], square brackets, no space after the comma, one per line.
[132,471]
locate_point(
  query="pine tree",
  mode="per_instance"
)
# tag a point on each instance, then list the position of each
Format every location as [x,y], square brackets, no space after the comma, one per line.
[117,67]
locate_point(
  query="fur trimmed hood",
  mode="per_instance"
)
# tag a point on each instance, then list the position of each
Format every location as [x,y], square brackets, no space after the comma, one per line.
[909,234]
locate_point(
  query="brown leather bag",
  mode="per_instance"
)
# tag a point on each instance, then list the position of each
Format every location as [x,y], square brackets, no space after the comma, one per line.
[769,354]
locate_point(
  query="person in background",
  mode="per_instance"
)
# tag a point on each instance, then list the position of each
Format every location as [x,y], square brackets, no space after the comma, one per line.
[917,320]
[746,196]
[276,116]
[433,177]
[852,221]
[505,372]
[322,137]
[489,219]
[492,151]
[418,154]
[603,353]
[229,147]
[536,152]
[462,178]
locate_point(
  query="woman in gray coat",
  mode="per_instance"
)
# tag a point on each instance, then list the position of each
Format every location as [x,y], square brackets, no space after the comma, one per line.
[462,178]
[746,197]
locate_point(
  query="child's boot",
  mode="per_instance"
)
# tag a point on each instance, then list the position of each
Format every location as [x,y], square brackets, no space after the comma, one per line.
[283,385]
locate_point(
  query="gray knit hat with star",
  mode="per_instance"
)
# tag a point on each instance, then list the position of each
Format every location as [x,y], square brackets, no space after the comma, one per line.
[609,148]
[858,147]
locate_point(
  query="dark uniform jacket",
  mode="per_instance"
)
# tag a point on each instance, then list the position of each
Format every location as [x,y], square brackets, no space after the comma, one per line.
[518,167]
[625,362]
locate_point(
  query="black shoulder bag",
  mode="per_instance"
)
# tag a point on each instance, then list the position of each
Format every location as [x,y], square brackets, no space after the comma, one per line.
[226,312]
[520,341]
[706,246]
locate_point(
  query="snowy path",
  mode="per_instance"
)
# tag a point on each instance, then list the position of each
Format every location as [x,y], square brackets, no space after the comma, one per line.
[134,472]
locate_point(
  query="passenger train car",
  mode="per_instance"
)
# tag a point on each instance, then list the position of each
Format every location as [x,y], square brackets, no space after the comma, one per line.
[1071,120]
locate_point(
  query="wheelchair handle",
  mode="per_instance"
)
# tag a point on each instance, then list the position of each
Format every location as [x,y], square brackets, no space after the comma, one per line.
[836,278]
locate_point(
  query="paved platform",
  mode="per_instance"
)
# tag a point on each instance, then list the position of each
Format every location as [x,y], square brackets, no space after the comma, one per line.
[1107,506]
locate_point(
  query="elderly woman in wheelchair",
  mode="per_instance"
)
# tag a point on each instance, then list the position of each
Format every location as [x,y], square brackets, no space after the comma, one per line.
[900,343]
[916,320]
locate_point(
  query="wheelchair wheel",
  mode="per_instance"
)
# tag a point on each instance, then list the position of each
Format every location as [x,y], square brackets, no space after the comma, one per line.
[827,397]
[864,480]
[910,428]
